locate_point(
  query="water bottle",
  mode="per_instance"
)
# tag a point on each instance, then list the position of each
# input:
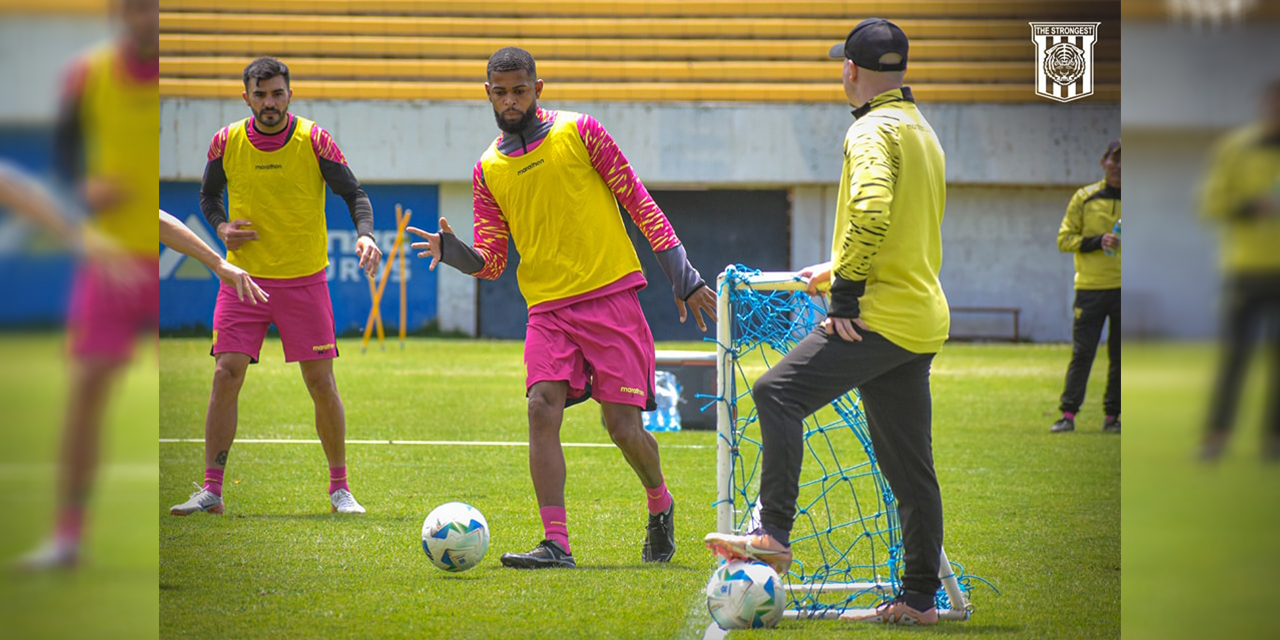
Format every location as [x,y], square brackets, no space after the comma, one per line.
[1115,231]
[667,396]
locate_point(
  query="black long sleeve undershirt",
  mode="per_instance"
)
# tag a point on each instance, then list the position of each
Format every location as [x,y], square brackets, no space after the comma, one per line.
[68,142]
[337,175]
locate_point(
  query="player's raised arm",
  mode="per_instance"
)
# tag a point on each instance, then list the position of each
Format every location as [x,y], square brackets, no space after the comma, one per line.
[488,258]
[25,197]
[177,236]
[687,284]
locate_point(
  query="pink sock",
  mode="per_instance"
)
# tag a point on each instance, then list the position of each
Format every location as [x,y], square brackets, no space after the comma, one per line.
[1111,418]
[659,498]
[213,480]
[1069,415]
[556,525]
[338,478]
[70,523]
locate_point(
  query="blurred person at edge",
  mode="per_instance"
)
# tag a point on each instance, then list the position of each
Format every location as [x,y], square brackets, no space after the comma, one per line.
[104,137]
[1241,196]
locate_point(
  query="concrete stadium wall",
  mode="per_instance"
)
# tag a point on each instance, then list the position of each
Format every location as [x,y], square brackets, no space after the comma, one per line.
[1180,98]
[676,145]
[1010,171]
[34,54]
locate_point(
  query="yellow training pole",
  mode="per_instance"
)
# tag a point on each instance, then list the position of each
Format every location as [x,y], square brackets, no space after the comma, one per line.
[376,312]
[404,302]
[368,327]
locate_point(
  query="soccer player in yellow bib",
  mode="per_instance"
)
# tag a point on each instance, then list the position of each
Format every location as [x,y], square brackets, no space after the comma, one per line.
[108,112]
[275,166]
[886,320]
[549,182]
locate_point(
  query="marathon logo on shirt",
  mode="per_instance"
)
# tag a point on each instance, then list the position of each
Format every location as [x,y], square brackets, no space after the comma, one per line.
[531,166]
[631,390]
[1064,59]
[265,167]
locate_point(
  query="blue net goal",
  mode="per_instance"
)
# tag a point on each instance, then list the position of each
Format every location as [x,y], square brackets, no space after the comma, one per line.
[846,539]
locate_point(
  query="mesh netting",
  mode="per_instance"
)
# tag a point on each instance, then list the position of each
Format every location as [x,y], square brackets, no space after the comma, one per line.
[846,539]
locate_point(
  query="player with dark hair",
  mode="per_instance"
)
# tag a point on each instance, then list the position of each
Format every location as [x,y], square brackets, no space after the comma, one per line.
[1087,231]
[275,166]
[109,104]
[887,319]
[549,182]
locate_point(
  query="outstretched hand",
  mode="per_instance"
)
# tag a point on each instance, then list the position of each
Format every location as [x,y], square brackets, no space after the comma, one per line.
[702,301]
[430,248]
[122,273]
[370,255]
[245,286]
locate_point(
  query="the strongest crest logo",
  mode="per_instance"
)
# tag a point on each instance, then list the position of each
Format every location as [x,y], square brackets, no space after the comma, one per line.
[1064,59]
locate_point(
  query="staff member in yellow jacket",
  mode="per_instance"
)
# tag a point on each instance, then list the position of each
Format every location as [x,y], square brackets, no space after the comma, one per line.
[886,320]
[1242,196]
[1087,232]
[275,166]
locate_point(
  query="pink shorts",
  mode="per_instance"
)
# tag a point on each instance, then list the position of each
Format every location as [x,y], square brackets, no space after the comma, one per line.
[104,320]
[601,346]
[299,307]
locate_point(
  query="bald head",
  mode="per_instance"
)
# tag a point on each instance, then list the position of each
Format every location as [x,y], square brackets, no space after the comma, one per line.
[861,85]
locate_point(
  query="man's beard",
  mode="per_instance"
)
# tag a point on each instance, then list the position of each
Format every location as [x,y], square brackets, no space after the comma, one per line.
[277,114]
[519,125]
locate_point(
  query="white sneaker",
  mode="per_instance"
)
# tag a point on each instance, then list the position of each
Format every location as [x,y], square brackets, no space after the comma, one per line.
[344,502]
[51,555]
[201,500]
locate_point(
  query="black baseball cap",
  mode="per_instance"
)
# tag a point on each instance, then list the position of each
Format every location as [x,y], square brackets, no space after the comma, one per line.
[869,43]
[1112,148]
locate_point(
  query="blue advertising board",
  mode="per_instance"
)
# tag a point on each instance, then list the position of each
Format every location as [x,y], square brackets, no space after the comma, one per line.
[188,289]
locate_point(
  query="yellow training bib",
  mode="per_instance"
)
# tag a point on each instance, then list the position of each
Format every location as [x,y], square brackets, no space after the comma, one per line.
[282,193]
[563,218]
[118,117]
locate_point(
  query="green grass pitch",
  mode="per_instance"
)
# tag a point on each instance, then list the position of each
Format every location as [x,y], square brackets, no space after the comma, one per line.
[1037,514]
[1199,542]
[114,594]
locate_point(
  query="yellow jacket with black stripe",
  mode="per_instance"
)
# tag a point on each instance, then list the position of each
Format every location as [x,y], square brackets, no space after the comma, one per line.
[1242,195]
[888,235]
[1092,212]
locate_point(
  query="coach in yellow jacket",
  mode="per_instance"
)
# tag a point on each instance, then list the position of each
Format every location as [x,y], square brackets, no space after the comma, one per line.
[1242,197]
[886,320]
[1088,232]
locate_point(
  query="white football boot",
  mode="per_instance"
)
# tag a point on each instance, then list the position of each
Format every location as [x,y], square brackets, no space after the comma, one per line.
[344,502]
[201,500]
[50,556]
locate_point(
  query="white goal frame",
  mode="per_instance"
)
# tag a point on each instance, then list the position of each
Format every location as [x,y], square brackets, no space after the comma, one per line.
[785,281]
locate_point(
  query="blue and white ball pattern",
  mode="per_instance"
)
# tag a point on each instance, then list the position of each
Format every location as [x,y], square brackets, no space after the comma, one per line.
[455,536]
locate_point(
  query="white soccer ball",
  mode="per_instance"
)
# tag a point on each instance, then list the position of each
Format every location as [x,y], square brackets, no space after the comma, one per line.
[744,595]
[455,536]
